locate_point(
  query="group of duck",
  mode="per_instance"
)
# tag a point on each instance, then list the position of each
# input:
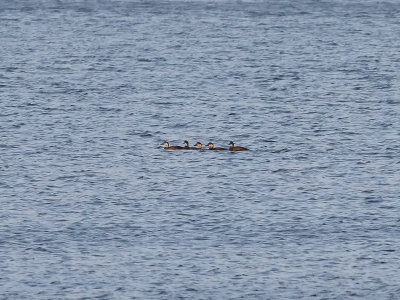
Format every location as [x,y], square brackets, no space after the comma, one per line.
[199,146]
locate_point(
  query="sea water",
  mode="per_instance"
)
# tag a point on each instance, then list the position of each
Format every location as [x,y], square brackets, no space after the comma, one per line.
[92,207]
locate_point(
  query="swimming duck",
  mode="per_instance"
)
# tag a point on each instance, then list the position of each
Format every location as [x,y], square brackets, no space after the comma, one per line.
[198,145]
[232,147]
[168,147]
[187,146]
[211,147]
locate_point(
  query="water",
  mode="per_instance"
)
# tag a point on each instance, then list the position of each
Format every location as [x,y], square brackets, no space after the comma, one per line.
[93,208]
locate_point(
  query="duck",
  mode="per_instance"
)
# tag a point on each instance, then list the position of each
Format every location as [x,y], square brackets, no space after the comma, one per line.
[232,147]
[198,145]
[168,147]
[211,147]
[186,147]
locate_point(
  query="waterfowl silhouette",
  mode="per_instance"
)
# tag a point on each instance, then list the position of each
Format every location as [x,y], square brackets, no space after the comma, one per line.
[198,145]
[211,147]
[186,147]
[168,147]
[232,147]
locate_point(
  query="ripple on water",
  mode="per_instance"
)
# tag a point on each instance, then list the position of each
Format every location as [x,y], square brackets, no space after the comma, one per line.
[92,206]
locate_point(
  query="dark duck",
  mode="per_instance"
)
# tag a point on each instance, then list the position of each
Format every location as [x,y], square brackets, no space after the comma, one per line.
[186,147]
[232,147]
[198,145]
[211,147]
[168,147]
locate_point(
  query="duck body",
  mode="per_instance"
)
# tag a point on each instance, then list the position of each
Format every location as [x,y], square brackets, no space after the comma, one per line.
[174,148]
[186,147]
[238,149]
[232,147]
[168,147]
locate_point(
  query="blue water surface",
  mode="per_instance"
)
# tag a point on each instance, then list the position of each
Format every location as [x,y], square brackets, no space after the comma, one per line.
[92,207]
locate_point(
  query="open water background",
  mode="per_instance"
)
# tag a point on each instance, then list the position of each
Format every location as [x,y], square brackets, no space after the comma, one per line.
[93,208]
